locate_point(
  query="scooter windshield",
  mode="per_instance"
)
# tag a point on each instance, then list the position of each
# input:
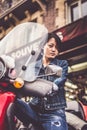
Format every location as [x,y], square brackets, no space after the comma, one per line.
[25,44]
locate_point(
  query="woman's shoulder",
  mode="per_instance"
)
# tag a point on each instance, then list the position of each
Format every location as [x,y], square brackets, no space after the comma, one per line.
[62,61]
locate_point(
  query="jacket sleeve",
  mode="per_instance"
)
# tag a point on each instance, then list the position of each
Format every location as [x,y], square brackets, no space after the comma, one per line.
[60,81]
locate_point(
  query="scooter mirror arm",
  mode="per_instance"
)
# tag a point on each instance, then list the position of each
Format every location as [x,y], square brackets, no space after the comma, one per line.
[24,67]
[39,76]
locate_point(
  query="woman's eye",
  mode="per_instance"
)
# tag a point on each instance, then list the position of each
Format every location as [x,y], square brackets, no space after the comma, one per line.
[50,46]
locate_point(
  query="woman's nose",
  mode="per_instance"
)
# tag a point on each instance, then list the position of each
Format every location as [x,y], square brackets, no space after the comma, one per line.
[53,48]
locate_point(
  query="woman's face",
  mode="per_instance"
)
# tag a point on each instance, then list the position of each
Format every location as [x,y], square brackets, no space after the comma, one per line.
[50,49]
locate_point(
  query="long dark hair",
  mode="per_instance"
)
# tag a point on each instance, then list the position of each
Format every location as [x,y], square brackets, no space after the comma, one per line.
[57,39]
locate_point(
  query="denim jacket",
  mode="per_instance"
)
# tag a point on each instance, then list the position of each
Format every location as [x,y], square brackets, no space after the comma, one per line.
[56,100]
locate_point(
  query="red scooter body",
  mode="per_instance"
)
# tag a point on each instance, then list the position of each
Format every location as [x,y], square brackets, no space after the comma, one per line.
[5,99]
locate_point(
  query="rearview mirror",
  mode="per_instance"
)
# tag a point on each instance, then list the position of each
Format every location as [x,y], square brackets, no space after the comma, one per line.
[54,70]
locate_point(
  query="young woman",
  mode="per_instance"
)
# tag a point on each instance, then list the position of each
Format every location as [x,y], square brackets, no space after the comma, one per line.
[51,109]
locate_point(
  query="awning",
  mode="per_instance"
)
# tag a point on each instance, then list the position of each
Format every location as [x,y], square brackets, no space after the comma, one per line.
[73,30]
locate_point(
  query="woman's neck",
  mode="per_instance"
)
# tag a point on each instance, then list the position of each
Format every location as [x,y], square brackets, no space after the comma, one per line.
[46,61]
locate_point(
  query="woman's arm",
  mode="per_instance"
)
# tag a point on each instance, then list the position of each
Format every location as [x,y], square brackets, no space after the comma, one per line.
[61,80]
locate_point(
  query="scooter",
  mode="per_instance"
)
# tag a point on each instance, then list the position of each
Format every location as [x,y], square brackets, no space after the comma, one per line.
[24,44]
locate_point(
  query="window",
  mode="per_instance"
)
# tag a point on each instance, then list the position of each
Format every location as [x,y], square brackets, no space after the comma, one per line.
[74,12]
[84,7]
[77,9]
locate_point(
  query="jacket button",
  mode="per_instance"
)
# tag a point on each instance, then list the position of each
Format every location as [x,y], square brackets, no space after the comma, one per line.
[48,106]
[45,98]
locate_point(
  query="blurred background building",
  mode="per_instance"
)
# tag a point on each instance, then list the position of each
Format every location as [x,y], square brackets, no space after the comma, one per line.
[68,19]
